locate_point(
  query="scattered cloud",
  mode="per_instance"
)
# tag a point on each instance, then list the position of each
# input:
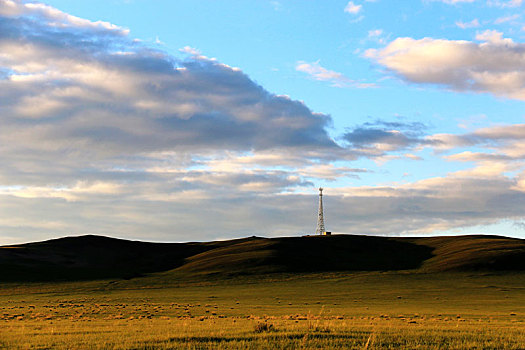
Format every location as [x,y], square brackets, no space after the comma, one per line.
[494,37]
[376,35]
[377,138]
[508,138]
[496,65]
[506,19]
[505,3]
[353,8]
[466,25]
[454,2]
[318,72]
[191,51]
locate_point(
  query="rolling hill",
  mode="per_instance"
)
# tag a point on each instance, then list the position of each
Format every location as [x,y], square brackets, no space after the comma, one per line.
[98,257]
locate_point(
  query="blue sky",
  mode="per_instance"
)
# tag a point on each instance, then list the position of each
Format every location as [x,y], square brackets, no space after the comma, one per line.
[137,119]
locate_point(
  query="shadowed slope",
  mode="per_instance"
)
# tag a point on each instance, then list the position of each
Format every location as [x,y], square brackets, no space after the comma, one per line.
[310,254]
[95,257]
[91,257]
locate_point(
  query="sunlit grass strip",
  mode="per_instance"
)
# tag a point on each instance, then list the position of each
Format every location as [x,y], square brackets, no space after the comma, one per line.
[239,333]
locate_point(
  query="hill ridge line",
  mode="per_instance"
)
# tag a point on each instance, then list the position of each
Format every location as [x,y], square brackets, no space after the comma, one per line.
[89,257]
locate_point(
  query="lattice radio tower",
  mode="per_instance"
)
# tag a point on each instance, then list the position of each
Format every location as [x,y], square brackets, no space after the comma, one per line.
[320,218]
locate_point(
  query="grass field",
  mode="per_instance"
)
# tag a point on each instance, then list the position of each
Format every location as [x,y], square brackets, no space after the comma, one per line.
[372,310]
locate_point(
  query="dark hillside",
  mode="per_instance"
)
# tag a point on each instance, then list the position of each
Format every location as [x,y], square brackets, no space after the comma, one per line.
[91,257]
[95,257]
[349,253]
[310,254]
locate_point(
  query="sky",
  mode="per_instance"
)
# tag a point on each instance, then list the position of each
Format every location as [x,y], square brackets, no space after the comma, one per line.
[196,120]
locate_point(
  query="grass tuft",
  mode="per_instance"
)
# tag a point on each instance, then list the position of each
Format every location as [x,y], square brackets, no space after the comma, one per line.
[263,327]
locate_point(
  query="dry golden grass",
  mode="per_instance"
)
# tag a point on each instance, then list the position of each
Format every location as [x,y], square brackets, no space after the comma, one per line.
[234,332]
[347,311]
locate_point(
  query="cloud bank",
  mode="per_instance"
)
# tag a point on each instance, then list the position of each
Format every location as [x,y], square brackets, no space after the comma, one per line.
[92,118]
[101,133]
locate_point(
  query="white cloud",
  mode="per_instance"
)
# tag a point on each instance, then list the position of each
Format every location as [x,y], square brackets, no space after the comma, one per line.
[353,8]
[54,17]
[191,51]
[496,3]
[506,19]
[499,134]
[505,3]
[494,37]
[454,2]
[497,65]
[318,72]
[465,25]
[375,33]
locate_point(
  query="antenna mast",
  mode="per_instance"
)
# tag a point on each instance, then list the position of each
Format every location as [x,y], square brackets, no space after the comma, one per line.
[320,218]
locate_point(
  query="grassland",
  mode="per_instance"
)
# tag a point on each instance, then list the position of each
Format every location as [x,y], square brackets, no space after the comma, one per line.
[361,310]
[351,292]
